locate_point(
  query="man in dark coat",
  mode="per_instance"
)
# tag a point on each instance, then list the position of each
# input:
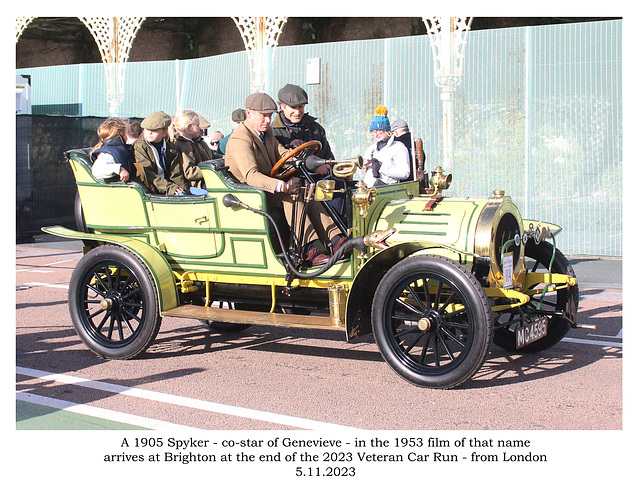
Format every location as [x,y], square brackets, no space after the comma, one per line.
[293,127]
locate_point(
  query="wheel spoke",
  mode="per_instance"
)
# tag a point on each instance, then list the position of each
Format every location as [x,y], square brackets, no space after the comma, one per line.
[408,348]
[104,319]
[436,301]
[132,315]
[427,296]
[425,348]
[94,314]
[99,293]
[111,325]
[107,274]
[417,298]
[444,305]
[404,332]
[118,322]
[446,347]
[456,325]
[452,337]
[128,323]
[129,294]
[403,303]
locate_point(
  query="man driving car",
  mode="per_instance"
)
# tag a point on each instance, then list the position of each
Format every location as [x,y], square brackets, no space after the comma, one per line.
[251,153]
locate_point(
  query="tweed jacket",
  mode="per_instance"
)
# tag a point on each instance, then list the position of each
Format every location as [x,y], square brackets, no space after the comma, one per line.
[146,160]
[249,160]
[191,154]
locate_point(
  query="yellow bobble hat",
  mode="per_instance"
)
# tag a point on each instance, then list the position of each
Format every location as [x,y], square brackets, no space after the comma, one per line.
[380,120]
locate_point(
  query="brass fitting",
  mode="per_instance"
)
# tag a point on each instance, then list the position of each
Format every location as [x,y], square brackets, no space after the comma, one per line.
[363,197]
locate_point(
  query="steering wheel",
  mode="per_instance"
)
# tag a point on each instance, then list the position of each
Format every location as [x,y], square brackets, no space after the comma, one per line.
[283,171]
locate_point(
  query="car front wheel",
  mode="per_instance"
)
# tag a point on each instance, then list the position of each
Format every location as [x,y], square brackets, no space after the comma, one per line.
[113,303]
[432,321]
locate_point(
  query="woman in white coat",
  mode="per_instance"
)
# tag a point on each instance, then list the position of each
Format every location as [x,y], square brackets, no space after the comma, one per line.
[386,161]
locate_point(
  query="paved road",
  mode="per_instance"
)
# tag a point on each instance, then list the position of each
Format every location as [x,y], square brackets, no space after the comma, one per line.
[274,379]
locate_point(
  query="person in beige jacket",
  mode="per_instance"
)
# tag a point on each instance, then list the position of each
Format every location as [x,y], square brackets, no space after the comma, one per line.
[252,151]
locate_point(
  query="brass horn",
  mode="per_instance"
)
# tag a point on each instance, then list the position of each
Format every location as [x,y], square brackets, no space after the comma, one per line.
[346,168]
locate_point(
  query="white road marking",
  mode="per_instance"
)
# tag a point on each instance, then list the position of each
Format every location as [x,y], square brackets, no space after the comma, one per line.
[183,401]
[44,284]
[59,262]
[617,336]
[594,343]
[99,412]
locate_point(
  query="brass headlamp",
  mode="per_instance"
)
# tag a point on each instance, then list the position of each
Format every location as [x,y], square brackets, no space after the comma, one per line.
[439,181]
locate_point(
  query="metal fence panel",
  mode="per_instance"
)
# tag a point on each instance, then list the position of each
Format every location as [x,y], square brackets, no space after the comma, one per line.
[538,112]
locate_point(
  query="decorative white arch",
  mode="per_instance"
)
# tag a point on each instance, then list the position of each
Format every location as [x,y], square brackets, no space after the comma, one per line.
[21,24]
[260,35]
[448,38]
[114,36]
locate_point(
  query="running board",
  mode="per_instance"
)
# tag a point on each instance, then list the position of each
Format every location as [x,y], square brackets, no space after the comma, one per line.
[217,314]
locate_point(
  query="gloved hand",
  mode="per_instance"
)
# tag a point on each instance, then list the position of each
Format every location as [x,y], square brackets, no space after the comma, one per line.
[292,186]
[375,168]
[295,143]
[322,168]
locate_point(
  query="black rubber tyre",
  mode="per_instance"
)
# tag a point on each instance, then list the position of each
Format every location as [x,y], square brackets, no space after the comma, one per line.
[436,337]
[538,258]
[113,303]
[78,214]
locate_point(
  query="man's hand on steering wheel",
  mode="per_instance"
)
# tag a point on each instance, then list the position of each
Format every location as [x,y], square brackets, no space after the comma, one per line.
[283,169]
[292,186]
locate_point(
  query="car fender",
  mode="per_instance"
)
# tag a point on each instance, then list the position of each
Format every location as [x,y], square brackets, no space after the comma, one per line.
[358,312]
[535,224]
[152,258]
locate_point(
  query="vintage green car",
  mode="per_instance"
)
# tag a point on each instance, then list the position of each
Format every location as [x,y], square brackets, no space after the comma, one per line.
[436,279]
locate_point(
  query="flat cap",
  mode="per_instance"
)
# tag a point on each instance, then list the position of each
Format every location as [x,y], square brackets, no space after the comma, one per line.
[293,95]
[399,124]
[156,121]
[262,103]
[204,123]
[238,115]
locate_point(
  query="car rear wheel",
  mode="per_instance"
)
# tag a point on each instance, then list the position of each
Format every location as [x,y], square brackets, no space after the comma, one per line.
[113,303]
[432,321]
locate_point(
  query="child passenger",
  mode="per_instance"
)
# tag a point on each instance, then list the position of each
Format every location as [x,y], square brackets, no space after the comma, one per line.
[158,158]
[187,135]
[112,157]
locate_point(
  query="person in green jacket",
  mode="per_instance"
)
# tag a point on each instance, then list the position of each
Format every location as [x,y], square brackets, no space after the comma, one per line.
[158,160]
[237,116]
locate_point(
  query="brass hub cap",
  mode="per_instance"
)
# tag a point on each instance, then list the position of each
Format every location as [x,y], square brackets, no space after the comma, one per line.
[106,303]
[424,324]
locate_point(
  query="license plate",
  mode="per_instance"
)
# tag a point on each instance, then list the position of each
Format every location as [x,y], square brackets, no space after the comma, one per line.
[531,332]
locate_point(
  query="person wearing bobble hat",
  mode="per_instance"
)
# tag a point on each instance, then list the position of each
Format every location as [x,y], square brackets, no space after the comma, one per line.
[386,161]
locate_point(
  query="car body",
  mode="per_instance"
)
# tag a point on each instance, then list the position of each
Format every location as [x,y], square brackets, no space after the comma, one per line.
[436,279]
